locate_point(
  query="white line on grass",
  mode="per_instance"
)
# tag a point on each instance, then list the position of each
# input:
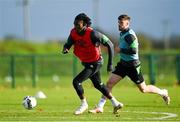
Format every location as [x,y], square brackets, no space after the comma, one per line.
[165,115]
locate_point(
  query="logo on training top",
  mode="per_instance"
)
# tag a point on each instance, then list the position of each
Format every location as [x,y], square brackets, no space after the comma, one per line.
[80,43]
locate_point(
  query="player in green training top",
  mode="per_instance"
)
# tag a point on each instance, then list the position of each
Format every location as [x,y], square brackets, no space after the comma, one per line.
[129,65]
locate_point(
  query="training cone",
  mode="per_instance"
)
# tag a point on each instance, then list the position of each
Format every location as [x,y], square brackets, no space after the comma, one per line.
[40,95]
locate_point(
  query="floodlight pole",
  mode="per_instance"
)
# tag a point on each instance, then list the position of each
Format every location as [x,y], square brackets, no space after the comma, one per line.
[166,34]
[95,8]
[26,19]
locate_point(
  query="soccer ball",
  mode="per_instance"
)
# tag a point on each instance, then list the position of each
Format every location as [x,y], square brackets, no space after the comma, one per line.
[29,102]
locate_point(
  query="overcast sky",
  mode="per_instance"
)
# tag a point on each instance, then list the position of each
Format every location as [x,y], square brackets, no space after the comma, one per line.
[53,19]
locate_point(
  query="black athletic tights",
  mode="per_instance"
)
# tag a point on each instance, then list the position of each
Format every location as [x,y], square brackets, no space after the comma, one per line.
[92,71]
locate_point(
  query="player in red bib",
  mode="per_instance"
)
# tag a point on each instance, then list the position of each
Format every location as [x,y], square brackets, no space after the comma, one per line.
[86,42]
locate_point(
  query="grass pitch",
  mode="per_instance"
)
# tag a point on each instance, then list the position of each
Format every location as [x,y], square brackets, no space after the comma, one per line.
[62,101]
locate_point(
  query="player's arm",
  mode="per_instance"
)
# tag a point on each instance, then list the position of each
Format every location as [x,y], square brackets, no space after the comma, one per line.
[132,48]
[98,38]
[67,45]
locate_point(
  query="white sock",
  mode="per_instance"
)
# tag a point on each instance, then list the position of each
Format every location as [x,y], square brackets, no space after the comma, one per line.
[101,103]
[161,92]
[83,101]
[114,101]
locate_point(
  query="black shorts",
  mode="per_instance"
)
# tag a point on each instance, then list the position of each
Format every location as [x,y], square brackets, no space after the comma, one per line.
[133,72]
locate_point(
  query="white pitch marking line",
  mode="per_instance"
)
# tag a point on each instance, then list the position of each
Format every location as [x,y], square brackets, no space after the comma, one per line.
[167,115]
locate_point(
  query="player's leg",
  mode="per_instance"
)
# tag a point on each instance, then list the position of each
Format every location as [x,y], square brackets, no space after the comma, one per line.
[115,77]
[96,80]
[136,76]
[103,89]
[118,74]
[112,81]
[153,89]
[77,83]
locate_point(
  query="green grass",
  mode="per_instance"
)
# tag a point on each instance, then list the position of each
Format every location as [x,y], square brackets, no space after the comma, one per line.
[62,101]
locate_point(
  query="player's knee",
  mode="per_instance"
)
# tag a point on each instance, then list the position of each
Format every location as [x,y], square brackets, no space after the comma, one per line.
[109,84]
[75,83]
[97,86]
[143,89]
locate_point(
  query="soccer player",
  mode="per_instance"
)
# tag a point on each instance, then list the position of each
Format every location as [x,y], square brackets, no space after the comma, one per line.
[129,65]
[86,42]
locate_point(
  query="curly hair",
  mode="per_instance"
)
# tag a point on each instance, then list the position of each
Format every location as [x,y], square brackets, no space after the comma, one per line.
[84,17]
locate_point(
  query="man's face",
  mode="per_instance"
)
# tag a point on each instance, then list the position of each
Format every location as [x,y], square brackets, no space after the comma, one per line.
[79,25]
[123,24]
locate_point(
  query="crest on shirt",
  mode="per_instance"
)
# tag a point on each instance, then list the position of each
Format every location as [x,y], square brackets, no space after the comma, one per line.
[81,43]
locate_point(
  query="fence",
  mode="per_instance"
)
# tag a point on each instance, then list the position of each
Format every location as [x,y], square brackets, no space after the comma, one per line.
[13,68]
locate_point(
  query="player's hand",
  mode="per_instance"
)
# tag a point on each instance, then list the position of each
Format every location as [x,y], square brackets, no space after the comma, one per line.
[65,50]
[109,67]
